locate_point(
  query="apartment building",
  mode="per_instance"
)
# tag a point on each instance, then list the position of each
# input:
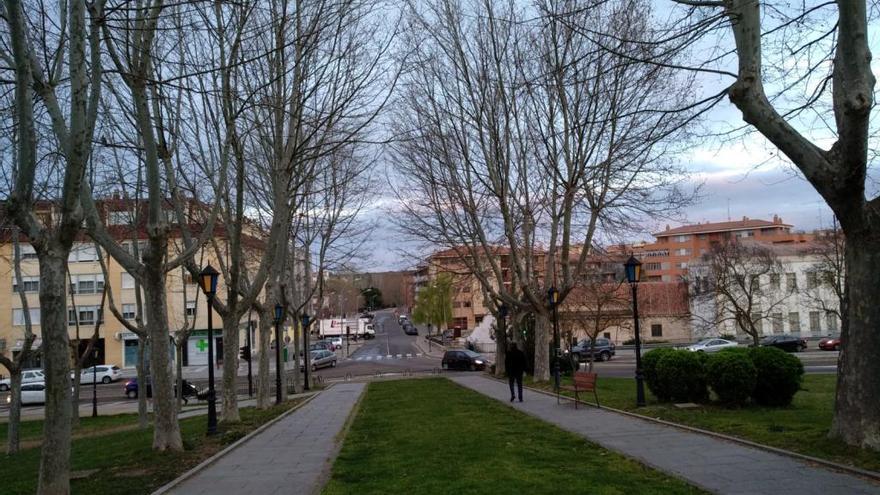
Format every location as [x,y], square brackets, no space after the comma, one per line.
[667,258]
[187,308]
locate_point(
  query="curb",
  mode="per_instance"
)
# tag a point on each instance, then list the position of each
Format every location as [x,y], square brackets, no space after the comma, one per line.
[872,475]
[166,488]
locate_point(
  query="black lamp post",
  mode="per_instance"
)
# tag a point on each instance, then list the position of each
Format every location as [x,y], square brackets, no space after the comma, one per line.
[633,274]
[208,281]
[250,329]
[279,313]
[553,300]
[306,321]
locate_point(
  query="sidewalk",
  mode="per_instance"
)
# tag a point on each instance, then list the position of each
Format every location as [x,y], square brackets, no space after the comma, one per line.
[293,455]
[709,463]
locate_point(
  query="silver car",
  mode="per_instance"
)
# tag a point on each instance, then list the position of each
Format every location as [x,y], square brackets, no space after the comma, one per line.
[27,376]
[711,345]
[321,359]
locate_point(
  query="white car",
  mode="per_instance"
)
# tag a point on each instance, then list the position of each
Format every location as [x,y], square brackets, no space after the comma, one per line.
[105,373]
[335,341]
[711,345]
[32,393]
[27,376]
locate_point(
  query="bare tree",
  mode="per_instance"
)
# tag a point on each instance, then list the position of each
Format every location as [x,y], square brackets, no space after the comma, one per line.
[40,73]
[594,306]
[81,356]
[741,284]
[521,141]
[828,291]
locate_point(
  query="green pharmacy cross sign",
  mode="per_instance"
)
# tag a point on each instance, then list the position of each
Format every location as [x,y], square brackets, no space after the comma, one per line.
[202,345]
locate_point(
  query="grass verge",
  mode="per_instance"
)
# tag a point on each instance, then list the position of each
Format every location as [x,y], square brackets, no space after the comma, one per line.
[802,427]
[125,460]
[432,436]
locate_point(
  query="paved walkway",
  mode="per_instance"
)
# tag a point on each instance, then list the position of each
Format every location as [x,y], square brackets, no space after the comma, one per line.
[293,456]
[713,464]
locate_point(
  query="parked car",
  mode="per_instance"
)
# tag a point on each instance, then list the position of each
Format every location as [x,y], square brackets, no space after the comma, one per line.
[27,376]
[462,359]
[336,342]
[31,393]
[788,343]
[321,345]
[131,390]
[105,373]
[320,359]
[410,329]
[830,344]
[711,345]
[603,350]
[401,319]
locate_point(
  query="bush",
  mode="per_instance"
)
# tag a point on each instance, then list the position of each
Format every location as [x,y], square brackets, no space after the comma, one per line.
[649,369]
[732,376]
[779,376]
[728,336]
[682,376]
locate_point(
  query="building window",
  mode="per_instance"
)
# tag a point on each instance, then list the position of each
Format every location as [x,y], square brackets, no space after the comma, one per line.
[656,330]
[652,266]
[28,284]
[831,322]
[607,335]
[775,281]
[758,321]
[18,316]
[461,323]
[85,314]
[791,282]
[745,233]
[190,308]
[794,322]
[83,253]
[466,304]
[683,252]
[812,280]
[87,284]
[777,322]
[682,238]
[127,281]
[141,247]
[119,218]
[683,265]
[26,252]
[128,311]
[815,318]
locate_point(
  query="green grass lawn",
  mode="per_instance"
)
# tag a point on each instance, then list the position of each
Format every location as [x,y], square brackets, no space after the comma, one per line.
[125,459]
[32,430]
[432,436]
[802,427]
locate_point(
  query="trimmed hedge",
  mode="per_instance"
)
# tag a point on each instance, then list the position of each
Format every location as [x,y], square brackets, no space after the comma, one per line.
[732,376]
[682,376]
[649,369]
[779,376]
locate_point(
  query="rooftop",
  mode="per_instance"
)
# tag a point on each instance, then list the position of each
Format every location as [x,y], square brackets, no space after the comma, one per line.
[730,226]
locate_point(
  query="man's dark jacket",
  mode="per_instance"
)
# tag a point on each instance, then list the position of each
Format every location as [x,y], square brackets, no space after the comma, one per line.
[515,362]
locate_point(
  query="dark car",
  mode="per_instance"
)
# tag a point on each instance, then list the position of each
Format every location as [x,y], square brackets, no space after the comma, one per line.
[189,390]
[321,345]
[788,343]
[410,329]
[463,359]
[603,350]
[830,344]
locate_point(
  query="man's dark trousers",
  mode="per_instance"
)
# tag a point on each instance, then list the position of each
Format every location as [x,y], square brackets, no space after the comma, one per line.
[518,378]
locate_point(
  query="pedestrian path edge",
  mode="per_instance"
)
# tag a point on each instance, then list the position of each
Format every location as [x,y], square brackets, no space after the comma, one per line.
[872,475]
[166,488]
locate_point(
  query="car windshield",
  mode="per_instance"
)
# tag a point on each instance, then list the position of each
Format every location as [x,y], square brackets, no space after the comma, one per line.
[768,340]
[704,342]
[472,354]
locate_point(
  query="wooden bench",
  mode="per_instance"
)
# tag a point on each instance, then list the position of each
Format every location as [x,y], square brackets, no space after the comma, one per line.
[583,382]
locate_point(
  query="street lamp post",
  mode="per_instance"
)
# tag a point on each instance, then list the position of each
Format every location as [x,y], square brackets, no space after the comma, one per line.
[95,383]
[279,312]
[306,321]
[553,299]
[208,280]
[250,329]
[633,274]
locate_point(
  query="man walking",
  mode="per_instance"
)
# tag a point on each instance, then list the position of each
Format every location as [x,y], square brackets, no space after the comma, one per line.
[515,365]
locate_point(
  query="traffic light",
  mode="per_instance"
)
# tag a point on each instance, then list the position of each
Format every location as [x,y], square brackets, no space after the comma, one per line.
[245,353]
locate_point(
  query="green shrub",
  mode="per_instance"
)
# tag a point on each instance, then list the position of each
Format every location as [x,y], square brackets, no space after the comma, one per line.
[732,376]
[779,376]
[682,375]
[649,369]
[728,336]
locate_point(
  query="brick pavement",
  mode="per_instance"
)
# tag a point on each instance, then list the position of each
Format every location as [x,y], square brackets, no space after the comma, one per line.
[293,456]
[713,464]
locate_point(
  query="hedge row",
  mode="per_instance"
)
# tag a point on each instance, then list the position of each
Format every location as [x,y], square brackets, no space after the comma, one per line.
[766,375]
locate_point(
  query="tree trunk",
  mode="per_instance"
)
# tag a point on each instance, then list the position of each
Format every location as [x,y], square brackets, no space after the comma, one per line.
[500,348]
[77,386]
[143,420]
[263,363]
[543,333]
[166,431]
[857,403]
[178,375]
[230,367]
[55,456]
[13,429]
[297,346]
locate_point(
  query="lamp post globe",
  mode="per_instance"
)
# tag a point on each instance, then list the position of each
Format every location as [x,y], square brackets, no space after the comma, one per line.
[208,278]
[633,269]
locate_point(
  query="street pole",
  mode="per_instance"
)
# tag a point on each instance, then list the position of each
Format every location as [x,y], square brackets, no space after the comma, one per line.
[95,383]
[212,397]
[556,346]
[640,386]
[278,362]
[250,328]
